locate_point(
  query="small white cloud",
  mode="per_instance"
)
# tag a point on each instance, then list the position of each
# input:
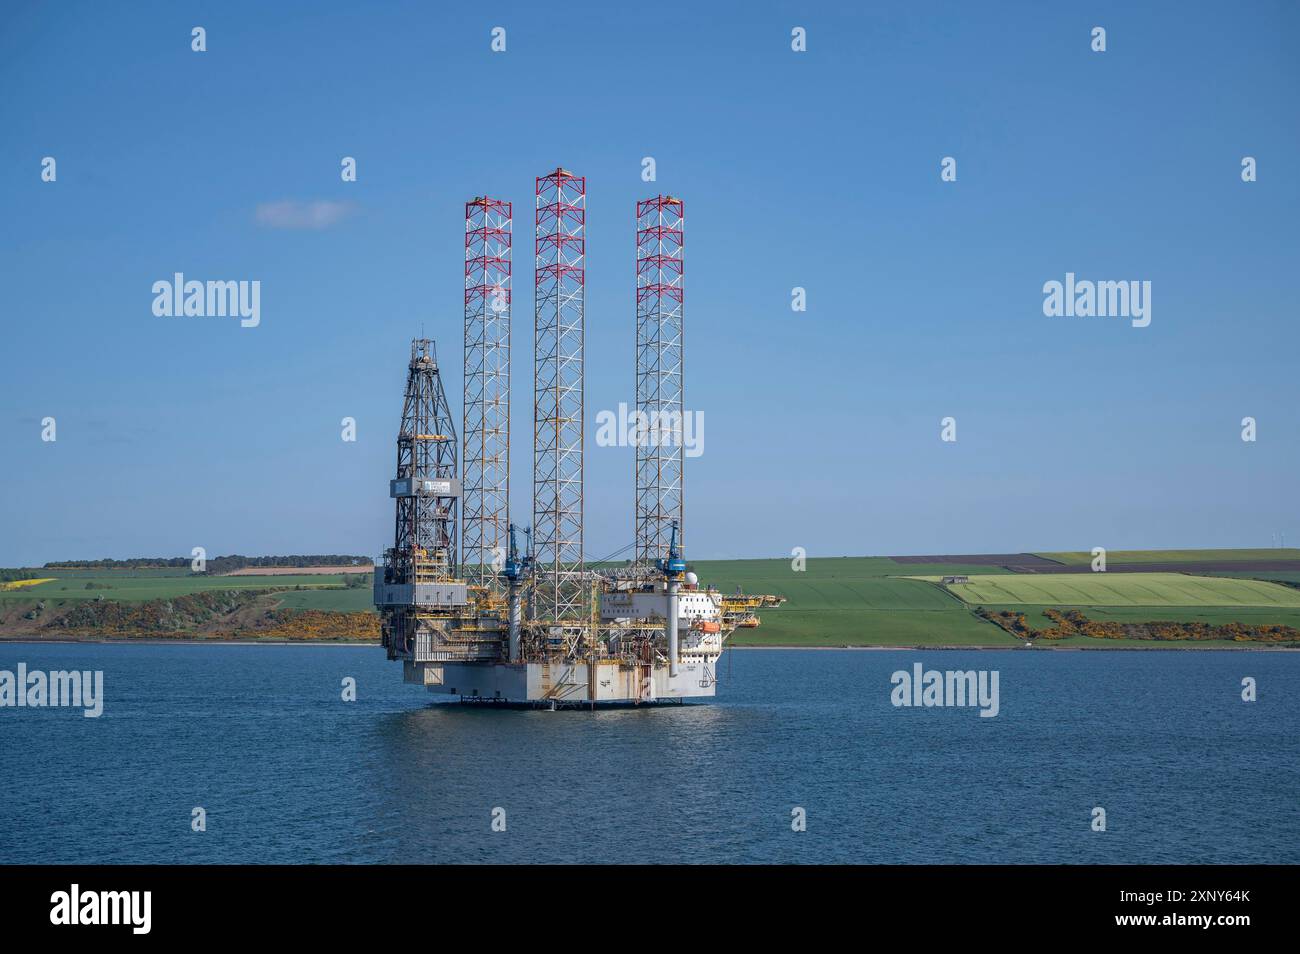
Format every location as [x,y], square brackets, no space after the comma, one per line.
[292,214]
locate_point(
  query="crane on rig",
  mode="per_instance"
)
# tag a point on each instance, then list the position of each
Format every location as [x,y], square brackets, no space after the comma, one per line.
[673,567]
[515,574]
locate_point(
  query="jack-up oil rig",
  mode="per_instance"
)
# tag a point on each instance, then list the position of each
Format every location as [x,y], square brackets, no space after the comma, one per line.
[464,607]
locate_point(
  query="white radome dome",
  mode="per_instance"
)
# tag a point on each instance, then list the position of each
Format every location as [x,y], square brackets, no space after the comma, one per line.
[692,579]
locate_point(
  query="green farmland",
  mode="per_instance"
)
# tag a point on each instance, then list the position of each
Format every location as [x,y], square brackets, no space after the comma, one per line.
[319,591]
[873,601]
[852,601]
[358,599]
[1123,589]
[1279,576]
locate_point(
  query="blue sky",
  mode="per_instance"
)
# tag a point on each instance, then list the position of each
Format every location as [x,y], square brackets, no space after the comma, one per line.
[817,169]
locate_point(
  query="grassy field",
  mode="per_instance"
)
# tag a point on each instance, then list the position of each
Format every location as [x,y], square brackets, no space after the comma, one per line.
[869,601]
[94,573]
[1077,558]
[1124,589]
[1280,576]
[359,599]
[134,586]
[852,601]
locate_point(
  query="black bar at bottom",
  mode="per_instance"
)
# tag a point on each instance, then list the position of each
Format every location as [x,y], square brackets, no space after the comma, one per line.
[488,904]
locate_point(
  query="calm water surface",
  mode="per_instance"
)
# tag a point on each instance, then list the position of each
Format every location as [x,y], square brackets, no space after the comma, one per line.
[288,772]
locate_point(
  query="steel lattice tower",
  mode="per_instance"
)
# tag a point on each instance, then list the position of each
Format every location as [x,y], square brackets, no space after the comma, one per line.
[660,422]
[558,419]
[485,516]
[424,546]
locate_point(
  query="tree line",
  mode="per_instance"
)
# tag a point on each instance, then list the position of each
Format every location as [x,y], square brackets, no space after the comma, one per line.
[12,575]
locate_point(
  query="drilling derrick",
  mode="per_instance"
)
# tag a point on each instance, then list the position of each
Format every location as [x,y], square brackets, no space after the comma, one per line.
[559,581]
[418,594]
[659,408]
[485,516]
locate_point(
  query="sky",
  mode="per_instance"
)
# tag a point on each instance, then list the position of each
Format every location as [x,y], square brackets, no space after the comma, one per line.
[818,169]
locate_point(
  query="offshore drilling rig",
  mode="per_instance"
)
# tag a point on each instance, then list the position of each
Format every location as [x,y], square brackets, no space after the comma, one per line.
[467,610]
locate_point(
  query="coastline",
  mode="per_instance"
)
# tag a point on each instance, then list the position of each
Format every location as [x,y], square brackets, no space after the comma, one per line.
[1130,647]
[144,641]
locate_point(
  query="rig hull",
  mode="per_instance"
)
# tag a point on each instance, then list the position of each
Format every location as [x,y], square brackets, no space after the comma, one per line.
[564,682]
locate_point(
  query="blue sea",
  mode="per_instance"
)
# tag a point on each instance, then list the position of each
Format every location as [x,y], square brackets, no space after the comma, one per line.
[286,771]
